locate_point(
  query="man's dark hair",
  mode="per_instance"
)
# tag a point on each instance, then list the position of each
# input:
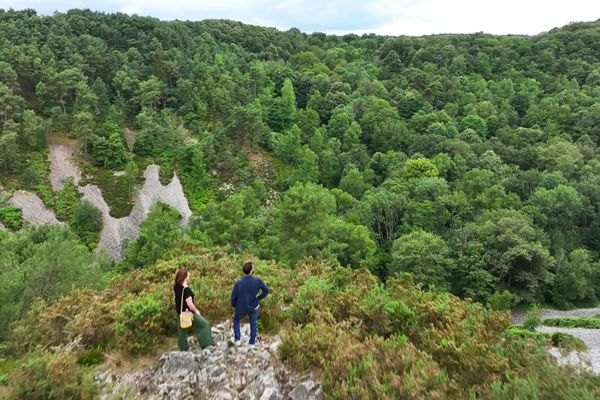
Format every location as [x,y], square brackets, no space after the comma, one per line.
[247,268]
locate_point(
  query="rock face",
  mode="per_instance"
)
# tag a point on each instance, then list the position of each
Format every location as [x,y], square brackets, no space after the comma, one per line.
[61,168]
[224,371]
[116,230]
[33,209]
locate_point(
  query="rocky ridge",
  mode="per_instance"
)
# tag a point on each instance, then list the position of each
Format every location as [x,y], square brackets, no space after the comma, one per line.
[222,372]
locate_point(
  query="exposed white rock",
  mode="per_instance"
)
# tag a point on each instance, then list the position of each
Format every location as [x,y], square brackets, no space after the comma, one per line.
[61,167]
[33,209]
[116,230]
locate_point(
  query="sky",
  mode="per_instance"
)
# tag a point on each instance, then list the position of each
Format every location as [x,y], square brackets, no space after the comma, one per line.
[386,17]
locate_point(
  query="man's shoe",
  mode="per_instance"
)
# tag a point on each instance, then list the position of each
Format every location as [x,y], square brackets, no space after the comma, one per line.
[237,343]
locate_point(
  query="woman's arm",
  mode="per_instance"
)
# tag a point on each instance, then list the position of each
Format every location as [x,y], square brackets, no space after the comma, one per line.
[192,306]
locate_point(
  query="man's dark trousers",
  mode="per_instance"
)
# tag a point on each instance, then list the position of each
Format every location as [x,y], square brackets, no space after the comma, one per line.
[253,324]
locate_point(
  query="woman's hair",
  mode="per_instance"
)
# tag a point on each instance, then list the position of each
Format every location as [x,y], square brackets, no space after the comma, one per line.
[180,276]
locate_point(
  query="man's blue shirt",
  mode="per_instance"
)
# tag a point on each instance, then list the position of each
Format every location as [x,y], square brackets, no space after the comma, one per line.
[245,296]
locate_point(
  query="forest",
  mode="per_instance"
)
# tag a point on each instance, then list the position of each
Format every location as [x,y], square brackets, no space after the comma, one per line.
[423,169]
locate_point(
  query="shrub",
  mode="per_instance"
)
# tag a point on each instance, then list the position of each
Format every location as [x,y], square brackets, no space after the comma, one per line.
[93,356]
[501,301]
[109,152]
[46,375]
[144,321]
[87,222]
[67,201]
[532,319]
[158,234]
[11,217]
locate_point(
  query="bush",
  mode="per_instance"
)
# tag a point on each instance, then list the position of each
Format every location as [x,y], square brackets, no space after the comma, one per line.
[11,217]
[87,222]
[109,152]
[144,321]
[158,234]
[46,375]
[501,301]
[91,357]
[532,319]
[67,201]
[43,262]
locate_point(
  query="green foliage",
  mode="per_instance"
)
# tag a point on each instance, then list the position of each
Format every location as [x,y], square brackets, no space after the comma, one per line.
[425,255]
[479,174]
[532,319]
[304,224]
[11,217]
[501,301]
[66,201]
[53,375]
[575,280]
[91,357]
[158,234]
[574,322]
[143,321]
[115,189]
[235,222]
[42,262]
[87,222]
[109,152]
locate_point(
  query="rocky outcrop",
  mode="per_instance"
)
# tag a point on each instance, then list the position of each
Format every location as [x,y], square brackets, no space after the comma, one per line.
[116,230]
[224,372]
[33,209]
[61,167]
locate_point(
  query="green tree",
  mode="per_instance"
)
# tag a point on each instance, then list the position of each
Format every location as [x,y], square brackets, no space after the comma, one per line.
[425,255]
[158,234]
[353,181]
[131,173]
[87,222]
[34,130]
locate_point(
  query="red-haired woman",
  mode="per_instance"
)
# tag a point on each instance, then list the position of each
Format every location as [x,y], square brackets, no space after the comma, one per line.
[184,301]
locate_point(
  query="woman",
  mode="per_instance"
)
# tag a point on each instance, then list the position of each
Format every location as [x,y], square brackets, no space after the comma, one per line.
[182,291]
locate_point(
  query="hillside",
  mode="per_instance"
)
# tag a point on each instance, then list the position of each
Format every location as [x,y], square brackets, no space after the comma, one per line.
[401,188]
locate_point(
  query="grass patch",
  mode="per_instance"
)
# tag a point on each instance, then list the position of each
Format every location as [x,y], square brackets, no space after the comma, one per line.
[574,322]
[6,367]
[113,188]
[558,339]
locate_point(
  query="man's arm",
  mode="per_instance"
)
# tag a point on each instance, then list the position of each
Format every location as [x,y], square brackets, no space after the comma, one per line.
[234,295]
[264,289]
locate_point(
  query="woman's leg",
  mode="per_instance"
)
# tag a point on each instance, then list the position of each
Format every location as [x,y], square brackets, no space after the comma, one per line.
[203,332]
[182,342]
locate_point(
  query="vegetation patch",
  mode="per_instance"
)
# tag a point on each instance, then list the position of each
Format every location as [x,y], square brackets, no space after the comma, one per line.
[11,217]
[115,189]
[557,339]
[574,322]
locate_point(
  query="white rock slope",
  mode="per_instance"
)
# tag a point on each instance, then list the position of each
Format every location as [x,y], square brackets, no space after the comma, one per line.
[33,209]
[116,230]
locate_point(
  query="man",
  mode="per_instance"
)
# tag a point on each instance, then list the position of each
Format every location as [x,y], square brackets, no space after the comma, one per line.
[245,299]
